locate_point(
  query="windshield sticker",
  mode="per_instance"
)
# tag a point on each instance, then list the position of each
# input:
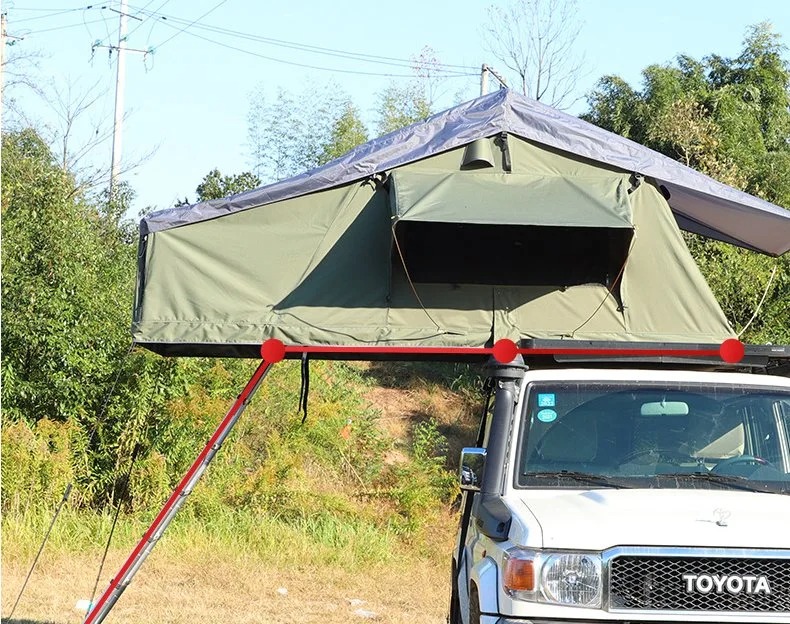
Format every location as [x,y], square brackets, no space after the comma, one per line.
[547,415]
[546,400]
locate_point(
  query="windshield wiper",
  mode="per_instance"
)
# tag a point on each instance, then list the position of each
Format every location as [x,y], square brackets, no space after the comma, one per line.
[581,477]
[737,483]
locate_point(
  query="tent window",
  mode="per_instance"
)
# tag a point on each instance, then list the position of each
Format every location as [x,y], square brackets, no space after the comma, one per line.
[524,255]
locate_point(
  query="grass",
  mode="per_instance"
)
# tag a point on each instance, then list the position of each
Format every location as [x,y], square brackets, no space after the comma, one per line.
[230,569]
[320,539]
[355,504]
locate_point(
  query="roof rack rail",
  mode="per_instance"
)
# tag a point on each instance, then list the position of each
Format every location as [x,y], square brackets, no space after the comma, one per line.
[774,359]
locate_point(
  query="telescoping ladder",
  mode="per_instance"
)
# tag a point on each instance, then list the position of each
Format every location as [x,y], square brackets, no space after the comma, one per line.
[107,600]
[273,350]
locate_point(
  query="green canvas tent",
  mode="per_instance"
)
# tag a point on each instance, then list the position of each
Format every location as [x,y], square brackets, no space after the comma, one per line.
[478,224]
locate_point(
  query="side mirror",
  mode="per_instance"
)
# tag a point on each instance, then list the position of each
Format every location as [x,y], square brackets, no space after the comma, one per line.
[473,463]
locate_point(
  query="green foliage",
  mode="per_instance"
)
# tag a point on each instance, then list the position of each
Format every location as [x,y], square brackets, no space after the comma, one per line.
[740,279]
[401,106]
[726,117]
[730,119]
[61,284]
[37,463]
[348,131]
[423,484]
[326,478]
[67,263]
[294,132]
[321,539]
[215,185]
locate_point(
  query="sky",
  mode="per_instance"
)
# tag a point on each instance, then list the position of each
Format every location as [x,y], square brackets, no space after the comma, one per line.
[188,91]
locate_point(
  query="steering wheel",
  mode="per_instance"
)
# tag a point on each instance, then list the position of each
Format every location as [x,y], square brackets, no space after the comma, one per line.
[741,459]
[658,452]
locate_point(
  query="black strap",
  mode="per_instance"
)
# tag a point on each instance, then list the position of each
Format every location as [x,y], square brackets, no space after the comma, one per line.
[507,165]
[304,391]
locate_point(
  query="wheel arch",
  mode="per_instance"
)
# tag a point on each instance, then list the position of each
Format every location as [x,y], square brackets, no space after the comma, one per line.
[484,580]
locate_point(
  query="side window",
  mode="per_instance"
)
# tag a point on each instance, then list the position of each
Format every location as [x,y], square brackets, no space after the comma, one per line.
[784,410]
[765,435]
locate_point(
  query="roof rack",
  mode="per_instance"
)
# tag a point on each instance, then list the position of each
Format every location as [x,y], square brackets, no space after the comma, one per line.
[773,359]
[537,353]
[544,353]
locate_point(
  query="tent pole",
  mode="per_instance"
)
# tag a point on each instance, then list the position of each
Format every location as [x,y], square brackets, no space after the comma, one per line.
[121,580]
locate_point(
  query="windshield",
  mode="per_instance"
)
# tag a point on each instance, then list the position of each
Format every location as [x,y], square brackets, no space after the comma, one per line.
[668,436]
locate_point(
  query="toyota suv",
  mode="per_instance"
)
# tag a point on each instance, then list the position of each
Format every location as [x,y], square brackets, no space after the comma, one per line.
[626,496]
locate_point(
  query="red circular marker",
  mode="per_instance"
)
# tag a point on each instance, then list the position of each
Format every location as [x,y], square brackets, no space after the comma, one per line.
[505,350]
[732,350]
[273,350]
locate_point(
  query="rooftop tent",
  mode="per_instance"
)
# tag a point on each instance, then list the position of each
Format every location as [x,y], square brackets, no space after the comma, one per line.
[498,218]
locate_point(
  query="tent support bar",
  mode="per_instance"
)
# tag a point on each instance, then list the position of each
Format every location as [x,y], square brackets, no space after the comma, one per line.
[124,577]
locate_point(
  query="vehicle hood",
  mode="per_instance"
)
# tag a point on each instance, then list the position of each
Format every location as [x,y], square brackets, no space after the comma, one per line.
[599,519]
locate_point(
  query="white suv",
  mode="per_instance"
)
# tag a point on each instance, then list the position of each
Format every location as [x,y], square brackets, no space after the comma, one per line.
[626,496]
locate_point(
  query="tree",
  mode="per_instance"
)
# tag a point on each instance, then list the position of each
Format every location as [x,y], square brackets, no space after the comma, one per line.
[58,296]
[290,134]
[730,119]
[400,106]
[18,63]
[296,132]
[535,40]
[68,266]
[215,185]
[348,131]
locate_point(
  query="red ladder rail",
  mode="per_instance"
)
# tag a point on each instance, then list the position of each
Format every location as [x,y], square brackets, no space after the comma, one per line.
[121,580]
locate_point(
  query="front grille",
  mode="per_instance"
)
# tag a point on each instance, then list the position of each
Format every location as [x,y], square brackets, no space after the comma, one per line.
[657,583]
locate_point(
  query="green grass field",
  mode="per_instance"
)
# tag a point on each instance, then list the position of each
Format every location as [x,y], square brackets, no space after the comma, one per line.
[356,504]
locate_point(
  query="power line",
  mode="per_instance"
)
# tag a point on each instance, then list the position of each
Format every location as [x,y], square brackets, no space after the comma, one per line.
[106,30]
[372,58]
[83,23]
[51,14]
[183,25]
[305,65]
[51,9]
[148,16]
[366,58]
[99,43]
[211,10]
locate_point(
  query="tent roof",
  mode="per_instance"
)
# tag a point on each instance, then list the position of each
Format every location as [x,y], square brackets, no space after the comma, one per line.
[700,204]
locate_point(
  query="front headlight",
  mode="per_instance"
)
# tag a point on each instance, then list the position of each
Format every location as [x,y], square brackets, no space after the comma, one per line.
[572,579]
